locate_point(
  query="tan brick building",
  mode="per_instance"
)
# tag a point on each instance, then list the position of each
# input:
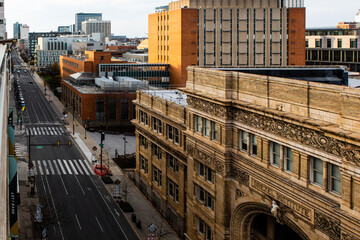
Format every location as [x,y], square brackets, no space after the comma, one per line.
[243,156]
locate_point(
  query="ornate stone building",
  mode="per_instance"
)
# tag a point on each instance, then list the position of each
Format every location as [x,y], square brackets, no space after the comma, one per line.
[253,157]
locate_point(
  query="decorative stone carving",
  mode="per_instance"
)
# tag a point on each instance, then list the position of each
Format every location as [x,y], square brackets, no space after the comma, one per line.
[205,157]
[208,107]
[190,149]
[241,176]
[347,236]
[219,167]
[239,194]
[327,225]
[300,134]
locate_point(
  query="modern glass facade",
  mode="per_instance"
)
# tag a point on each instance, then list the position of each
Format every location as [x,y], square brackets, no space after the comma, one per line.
[156,74]
[81,17]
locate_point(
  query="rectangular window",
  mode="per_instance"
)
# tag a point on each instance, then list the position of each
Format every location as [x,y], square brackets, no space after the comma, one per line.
[157,176]
[318,43]
[205,172]
[275,154]
[201,169]
[288,159]
[173,190]
[214,134]
[173,163]
[99,109]
[205,197]
[253,145]
[146,119]
[125,109]
[353,43]
[144,164]
[243,140]
[316,171]
[112,108]
[197,124]
[176,136]
[339,43]
[170,133]
[206,127]
[156,151]
[159,126]
[328,43]
[334,178]
[142,119]
[143,141]
[154,124]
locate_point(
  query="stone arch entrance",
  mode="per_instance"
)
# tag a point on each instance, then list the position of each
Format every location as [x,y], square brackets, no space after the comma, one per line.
[247,215]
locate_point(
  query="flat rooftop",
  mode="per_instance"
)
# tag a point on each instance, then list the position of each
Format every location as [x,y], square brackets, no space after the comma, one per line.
[174,96]
[330,75]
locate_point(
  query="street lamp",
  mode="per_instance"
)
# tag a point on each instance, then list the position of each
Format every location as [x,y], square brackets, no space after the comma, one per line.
[73,107]
[124,138]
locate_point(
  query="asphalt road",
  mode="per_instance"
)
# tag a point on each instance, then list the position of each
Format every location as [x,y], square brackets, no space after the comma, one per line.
[75,203]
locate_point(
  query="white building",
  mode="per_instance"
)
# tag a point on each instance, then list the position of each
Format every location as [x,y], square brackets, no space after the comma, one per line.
[97,26]
[2,20]
[24,32]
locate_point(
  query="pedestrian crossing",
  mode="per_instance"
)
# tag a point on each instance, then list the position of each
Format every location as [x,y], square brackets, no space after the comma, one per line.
[63,167]
[45,131]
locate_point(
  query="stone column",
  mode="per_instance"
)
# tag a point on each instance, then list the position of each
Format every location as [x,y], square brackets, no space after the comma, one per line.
[325,176]
[236,139]
[266,151]
[259,148]
[346,189]
[296,164]
[304,163]
[282,157]
[356,193]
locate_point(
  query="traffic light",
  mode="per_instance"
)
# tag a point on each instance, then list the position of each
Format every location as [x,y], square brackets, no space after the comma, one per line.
[69,143]
[58,143]
[102,136]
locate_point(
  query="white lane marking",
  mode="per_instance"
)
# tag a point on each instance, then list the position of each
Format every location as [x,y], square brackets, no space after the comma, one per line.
[45,167]
[79,185]
[52,199]
[31,131]
[67,166]
[86,170]
[78,222]
[78,167]
[42,131]
[73,167]
[46,132]
[56,167]
[27,132]
[89,167]
[61,166]
[61,130]
[64,185]
[38,120]
[52,134]
[99,224]
[40,168]
[51,167]
[35,132]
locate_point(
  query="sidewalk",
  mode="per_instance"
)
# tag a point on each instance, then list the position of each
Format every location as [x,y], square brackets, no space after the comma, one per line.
[142,208]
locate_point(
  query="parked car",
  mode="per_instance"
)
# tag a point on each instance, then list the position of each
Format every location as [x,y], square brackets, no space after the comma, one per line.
[102,172]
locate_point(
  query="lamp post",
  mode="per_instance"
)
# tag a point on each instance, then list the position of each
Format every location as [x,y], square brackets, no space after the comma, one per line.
[73,107]
[124,144]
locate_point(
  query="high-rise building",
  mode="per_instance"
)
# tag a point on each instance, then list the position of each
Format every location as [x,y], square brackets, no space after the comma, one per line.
[2,21]
[65,28]
[227,33]
[17,30]
[81,17]
[97,26]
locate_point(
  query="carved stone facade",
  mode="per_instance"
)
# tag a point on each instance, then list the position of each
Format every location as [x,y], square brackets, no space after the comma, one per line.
[247,160]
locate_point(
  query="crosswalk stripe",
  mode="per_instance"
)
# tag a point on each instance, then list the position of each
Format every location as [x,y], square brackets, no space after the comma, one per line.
[35,132]
[46,169]
[27,131]
[61,130]
[67,166]
[40,169]
[56,166]
[51,167]
[78,167]
[73,167]
[61,166]
[86,170]
[46,132]
[89,167]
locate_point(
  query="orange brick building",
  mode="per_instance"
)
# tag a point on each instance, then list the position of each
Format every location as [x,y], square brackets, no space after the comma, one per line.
[226,34]
[110,110]
[89,63]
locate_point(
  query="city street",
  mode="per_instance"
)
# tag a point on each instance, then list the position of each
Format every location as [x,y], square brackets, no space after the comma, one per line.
[75,200]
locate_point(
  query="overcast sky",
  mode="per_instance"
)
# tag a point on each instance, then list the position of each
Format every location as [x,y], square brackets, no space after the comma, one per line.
[129,17]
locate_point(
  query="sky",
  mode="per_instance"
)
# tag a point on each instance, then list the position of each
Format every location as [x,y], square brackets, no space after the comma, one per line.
[129,17]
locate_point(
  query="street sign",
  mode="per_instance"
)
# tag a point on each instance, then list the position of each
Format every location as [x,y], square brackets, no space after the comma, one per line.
[94,148]
[101,144]
[39,147]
